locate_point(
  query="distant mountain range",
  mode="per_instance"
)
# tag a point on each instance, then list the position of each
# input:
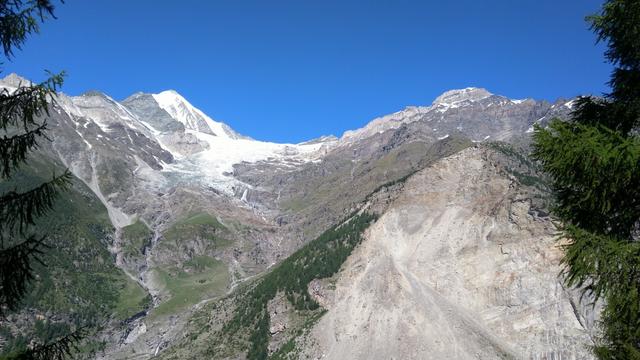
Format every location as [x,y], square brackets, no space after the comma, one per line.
[452,266]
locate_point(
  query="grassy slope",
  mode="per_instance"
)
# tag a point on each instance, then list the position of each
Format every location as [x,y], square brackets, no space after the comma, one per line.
[135,238]
[80,283]
[200,277]
[198,225]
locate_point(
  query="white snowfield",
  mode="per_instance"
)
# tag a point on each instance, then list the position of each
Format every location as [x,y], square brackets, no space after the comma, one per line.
[226,148]
[215,164]
[223,148]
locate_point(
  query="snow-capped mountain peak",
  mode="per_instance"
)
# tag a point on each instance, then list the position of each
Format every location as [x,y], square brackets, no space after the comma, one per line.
[192,118]
[454,97]
[14,80]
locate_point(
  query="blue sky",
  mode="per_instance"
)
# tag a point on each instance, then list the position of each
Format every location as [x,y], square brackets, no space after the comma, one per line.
[289,71]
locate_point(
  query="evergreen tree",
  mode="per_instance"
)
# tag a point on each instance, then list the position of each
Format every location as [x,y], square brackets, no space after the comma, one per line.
[594,160]
[23,111]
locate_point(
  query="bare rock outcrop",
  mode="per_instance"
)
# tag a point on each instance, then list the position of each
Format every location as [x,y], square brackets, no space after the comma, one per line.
[458,267]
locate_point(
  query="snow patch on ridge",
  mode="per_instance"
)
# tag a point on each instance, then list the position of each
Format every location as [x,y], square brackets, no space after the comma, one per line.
[570,104]
[453,98]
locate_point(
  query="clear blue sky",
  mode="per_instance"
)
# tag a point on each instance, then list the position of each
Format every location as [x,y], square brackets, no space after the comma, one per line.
[293,70]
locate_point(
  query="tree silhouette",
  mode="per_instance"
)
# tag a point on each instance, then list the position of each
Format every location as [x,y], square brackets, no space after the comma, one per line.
[594,161]
[23,112]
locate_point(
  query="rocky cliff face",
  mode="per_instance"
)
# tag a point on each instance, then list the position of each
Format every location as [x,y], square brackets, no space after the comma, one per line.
[458,266]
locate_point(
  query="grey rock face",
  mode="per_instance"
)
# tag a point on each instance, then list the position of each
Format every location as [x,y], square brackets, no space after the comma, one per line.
[456,267]
[148,110]
[168,130]
[322,139]
[474,113]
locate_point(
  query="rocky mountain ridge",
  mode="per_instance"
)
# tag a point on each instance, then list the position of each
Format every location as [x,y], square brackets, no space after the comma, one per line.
[472,112]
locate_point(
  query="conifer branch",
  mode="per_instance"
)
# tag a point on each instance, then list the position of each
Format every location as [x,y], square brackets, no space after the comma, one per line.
[19,108]
[16,270]
[22,21]
[594,161]
[59,349]
[14,149]
[19,209]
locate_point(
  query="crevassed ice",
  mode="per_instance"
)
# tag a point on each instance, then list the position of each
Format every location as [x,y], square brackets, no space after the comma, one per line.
[214,164]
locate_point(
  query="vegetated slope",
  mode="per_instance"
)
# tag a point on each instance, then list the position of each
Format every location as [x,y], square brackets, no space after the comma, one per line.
[245,325]
[80,284]
[459,266]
